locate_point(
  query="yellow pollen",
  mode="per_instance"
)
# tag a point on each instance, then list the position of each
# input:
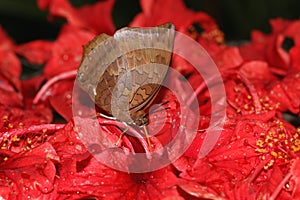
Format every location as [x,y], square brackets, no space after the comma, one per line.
[261,150]
[271,145]
[267,98]
[274,154]
[29,141]
[259,143]
[286,142]
[15,139]
[5,117]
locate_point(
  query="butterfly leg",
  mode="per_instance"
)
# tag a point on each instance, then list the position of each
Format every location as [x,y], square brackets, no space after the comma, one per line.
[121,135]
[147,137]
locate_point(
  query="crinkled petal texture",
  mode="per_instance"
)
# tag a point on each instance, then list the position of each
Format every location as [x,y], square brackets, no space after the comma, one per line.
[10,66]
[30,174]
[155,12]
[83,176]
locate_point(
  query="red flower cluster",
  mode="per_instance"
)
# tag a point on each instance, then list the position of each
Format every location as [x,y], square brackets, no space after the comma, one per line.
[256,155]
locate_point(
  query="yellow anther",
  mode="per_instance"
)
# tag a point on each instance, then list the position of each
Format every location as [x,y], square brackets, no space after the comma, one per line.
[5,117]
[274,154]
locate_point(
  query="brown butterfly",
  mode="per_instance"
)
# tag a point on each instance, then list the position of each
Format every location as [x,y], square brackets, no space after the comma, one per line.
[122,73]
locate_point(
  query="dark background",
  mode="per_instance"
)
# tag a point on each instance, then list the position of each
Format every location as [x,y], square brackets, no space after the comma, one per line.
[24,22]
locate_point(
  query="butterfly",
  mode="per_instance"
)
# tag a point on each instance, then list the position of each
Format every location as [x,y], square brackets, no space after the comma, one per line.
[114,69]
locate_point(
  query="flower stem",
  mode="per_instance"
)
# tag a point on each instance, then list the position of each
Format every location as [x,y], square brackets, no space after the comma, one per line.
[46,86]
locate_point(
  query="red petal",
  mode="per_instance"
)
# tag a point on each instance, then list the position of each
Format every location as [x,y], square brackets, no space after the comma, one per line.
[91,15]
[286,92]
[10,68]
[30,87]
[96,17]
[43,4]
[6,42]
[295,180]
[104,182]
[276,56]
[279,25]
[36,52]
[229,58]
[258,72]
[295,57]
[196,190]
[67,50]
[61,98]
[32,172]
[152,16]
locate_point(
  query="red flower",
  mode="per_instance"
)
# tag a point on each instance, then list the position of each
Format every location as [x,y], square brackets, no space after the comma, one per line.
[286,92]
[228,58]
[270,47]
[255,157]
[96,18]
[29,174]
[36,52]
[83,176]
[258,72]
[10,71]
[62,55]
[157,12]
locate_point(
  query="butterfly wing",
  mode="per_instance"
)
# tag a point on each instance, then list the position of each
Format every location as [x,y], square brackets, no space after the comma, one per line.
[149,52]
[123,73]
